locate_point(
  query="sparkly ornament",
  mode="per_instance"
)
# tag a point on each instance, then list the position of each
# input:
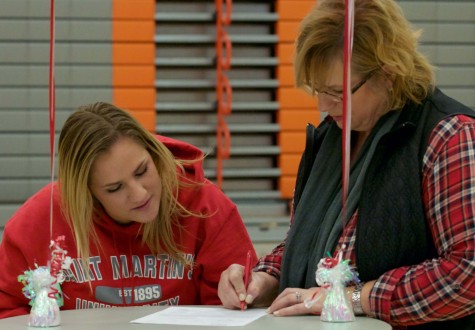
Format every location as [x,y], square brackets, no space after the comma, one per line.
[332,275]
[42,287]
[44,307]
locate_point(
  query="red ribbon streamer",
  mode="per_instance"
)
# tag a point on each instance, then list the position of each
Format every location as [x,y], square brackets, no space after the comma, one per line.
[346,130]
[58,255]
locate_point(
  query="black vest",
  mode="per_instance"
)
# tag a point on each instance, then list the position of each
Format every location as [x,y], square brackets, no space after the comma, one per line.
[392,230]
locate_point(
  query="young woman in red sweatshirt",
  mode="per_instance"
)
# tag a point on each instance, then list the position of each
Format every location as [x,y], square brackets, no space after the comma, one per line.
[141,223]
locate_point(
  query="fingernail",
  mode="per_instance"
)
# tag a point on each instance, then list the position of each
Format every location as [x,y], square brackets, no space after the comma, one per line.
[268,310]
[249,299]
[276,313]
[242,297]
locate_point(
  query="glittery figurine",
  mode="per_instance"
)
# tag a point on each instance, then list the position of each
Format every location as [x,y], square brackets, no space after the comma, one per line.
[332,275]
[42,287]
[44,307]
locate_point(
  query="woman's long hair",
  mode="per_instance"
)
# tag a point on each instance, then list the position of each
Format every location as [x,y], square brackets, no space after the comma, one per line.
[92,130]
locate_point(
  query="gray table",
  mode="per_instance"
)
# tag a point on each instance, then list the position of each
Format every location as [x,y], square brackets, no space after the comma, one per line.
[119,319]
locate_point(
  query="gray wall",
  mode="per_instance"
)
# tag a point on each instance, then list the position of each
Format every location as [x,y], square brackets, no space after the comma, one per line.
[83,74]
[448,39]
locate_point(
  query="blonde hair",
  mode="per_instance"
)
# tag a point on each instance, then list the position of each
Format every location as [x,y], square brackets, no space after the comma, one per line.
[90,131]
[384,42]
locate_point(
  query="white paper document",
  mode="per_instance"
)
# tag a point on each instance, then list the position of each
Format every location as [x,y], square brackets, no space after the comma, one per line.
[207,316]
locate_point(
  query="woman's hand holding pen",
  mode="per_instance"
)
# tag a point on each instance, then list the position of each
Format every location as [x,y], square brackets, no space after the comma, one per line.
[261,291]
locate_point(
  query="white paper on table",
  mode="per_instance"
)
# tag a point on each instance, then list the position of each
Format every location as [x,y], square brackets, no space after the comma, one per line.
[208,316]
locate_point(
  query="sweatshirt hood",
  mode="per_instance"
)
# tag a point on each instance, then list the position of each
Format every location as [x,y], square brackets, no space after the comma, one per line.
[186,151]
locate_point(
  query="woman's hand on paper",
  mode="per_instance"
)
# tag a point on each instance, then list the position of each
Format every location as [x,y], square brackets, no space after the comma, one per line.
[261,291]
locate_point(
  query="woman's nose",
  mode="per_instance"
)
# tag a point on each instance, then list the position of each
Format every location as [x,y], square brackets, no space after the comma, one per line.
[137,192]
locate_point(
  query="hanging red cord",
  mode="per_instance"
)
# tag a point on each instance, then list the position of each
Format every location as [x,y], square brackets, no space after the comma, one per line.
[52,107]
[346,131]
[52,110]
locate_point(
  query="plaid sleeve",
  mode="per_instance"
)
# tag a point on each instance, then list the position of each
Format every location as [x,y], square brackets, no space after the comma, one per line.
[441,288]
[271,262]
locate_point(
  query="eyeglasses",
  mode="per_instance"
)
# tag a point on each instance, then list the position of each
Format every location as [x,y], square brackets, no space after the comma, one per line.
[338,97]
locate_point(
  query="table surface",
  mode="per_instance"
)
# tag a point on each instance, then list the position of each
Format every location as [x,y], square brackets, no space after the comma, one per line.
[119,319]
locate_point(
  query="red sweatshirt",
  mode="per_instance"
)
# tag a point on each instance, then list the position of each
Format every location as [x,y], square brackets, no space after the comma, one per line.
[123,271]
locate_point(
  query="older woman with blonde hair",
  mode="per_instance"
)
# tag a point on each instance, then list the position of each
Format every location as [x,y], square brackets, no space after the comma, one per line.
[142,224]
[410,230]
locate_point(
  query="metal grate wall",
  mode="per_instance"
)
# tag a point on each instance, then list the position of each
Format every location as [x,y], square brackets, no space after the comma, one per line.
[186,101]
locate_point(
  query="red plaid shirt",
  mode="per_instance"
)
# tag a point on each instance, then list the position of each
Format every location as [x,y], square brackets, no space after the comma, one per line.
[437,289]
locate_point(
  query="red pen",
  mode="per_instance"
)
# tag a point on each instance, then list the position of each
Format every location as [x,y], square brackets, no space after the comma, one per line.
[247,271]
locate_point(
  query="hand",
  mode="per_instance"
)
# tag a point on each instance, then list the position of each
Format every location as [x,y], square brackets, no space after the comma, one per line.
[262,288]
[292,302]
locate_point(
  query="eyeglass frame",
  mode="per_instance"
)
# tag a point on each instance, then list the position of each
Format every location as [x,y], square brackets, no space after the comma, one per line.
[339,98]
